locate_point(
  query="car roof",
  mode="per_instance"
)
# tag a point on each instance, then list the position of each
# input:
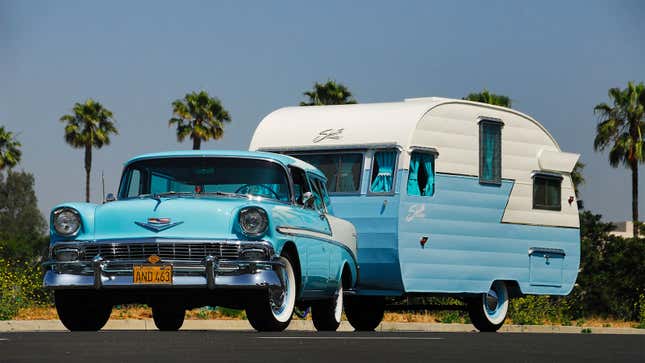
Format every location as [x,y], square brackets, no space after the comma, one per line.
[285,160]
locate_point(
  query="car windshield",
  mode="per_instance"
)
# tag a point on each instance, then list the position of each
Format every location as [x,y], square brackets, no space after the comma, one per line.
[204,176]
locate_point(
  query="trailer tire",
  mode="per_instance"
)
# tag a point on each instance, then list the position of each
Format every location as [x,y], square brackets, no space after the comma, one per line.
[364,313]
[488,311]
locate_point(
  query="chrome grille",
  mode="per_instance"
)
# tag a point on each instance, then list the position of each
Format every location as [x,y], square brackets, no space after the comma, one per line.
[167,250]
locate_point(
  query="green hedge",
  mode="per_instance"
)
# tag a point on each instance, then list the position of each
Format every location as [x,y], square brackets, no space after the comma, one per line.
[21,286]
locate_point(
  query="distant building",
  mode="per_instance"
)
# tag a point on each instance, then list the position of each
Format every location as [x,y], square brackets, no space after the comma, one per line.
[623,229]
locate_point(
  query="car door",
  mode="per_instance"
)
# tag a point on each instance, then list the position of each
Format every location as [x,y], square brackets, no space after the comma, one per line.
[330,252]
[311,229]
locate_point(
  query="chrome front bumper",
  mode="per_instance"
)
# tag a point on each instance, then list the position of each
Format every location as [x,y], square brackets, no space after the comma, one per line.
[209,272]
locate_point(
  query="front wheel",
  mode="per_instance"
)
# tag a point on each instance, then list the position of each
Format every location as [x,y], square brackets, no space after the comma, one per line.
[82,310]
[364,313]
[273,311]
[327,314]
[488,311]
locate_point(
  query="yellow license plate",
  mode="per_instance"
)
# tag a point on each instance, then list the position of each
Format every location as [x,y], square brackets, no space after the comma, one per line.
[152,274]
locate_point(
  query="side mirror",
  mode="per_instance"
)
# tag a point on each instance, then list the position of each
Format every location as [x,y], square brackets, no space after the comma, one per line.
[110,198]
[308,200]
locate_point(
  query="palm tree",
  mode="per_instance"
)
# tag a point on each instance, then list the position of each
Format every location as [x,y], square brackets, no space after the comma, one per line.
[199,116]
[621,129]
[329,93]
[9,149]
[577,178]
[490,98]
[89,126]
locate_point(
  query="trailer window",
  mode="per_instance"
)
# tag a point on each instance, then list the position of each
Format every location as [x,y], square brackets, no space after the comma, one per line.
[421,174]
[490,152]
[343,170]
[547,190]
[383,171]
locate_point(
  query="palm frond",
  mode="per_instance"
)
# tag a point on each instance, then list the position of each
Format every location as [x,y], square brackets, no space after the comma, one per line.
[329,93]
[199,116]
[491,98]
[10,153]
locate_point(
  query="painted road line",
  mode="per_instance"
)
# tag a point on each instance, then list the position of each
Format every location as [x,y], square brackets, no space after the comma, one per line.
[357,338]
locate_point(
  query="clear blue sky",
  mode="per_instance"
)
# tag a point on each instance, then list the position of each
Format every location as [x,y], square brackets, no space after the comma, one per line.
[555,59]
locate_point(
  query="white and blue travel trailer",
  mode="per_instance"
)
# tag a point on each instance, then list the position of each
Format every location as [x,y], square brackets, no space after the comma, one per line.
[449,197]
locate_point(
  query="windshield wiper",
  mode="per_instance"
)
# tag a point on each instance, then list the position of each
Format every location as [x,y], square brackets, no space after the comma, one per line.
[172,194]
[226,194]
[158,196]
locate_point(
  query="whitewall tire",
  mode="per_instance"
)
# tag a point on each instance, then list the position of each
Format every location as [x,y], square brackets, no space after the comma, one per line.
[327,314]
[488,311]
[273,311]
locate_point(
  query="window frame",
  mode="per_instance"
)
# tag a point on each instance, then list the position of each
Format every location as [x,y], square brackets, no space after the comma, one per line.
[483,121]
[127,172]
[362,152]
[435,155]
[549,177]
[292,169]
[128,183]
[395,172]
[312,179]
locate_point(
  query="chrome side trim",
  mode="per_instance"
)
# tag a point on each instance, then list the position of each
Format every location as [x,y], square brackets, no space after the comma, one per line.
[303,232]
[307,232]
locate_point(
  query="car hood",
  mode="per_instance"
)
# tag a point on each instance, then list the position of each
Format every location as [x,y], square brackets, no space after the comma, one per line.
[176,218]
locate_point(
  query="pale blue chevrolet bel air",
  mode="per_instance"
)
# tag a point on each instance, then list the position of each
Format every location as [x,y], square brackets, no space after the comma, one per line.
[247,230]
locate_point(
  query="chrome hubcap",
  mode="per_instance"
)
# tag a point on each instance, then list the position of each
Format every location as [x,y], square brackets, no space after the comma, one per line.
[491,300]
[277,296]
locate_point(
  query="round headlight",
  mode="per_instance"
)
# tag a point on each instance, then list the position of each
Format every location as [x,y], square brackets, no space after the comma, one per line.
[66,221]
[253,221]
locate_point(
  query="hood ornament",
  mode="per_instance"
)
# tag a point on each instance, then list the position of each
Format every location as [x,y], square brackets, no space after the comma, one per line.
[157,224]
[332,134]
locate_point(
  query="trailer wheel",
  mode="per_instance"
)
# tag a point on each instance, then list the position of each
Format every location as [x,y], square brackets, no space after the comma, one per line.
[364,313]
[489,311]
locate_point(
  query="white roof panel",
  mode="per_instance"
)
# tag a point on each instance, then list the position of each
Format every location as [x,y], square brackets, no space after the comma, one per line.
[351,126]
[339,126]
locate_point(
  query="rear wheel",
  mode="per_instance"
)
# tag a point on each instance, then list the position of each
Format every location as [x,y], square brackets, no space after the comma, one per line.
[327,314]
[168,317]
[273,311]
[488,311]
[364,313]
[82,310]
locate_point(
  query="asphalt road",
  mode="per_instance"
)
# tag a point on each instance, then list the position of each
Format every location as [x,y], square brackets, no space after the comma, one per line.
[201,346]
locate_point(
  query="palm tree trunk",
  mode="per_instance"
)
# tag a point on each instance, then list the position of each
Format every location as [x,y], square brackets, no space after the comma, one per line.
[634,167]
[197,142]
[88,168]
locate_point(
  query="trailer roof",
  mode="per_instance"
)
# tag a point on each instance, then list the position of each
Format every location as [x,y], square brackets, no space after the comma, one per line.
[347,126]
